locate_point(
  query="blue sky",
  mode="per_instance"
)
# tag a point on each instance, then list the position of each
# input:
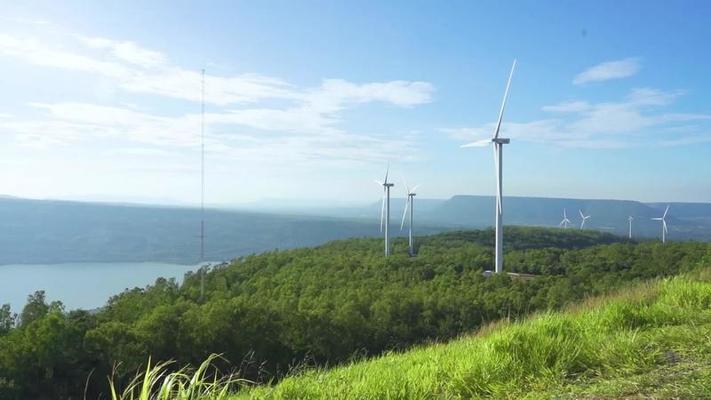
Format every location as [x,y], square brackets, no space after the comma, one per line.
[311,100]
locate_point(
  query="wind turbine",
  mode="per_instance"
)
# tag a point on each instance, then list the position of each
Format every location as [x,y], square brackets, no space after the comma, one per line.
[565,222]
[630,219]
[664,225]
[409,204]
[385,209]
[498,145]
[584,217]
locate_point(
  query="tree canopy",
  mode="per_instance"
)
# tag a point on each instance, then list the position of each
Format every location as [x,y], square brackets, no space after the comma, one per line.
[270,312]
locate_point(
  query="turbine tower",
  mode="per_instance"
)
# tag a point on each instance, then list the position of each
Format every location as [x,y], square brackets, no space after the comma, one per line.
[202,184]
[385,210]
[409,204]
[565,222]
[664,225]
[498,145]
[584,218]
[630,219]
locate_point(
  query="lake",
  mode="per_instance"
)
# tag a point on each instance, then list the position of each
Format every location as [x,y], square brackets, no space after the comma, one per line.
[80,285]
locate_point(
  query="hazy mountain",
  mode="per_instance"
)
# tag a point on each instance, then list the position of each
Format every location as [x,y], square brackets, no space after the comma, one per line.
[686,220]
[46,231]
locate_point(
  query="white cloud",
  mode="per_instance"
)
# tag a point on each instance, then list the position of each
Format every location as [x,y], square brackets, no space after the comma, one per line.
[568,106]
[242,120]
[399,93]
[140,70]
[267,136]
[126,51]
[33,52]
[608,70]
[635,121]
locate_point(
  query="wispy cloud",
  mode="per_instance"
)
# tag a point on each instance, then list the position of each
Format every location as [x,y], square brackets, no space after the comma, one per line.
[126,51]
[608,70]
[637,120]
[136,69]
[243,120]
[568,106]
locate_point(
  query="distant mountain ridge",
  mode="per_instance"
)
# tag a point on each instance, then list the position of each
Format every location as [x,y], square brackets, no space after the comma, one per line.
[49,231]
[686,220]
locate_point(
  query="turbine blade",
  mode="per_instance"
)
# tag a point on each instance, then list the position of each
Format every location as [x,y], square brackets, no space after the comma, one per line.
[498,183]
[503,103]
[404,213]
[664,224]
[387,172]
[378,182]
[665,212]
[478,143]
[414,188]
[382,213]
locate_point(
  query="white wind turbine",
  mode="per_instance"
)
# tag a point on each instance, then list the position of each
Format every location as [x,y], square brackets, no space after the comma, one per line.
[565,222]
[498,144]
[630,219]
[584,218]
[409,204]
[385,209]
[664,225]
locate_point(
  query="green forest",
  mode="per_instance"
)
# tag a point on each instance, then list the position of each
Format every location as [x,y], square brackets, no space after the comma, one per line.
[274,313]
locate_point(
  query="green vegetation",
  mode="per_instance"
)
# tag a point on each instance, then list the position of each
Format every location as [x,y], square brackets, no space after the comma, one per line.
[650,342]
[320,307]
[157,382]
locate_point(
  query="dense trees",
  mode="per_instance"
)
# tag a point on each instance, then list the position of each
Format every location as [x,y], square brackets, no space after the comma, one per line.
[269,312]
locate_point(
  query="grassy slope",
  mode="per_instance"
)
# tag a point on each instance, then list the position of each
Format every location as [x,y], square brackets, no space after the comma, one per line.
[650,342]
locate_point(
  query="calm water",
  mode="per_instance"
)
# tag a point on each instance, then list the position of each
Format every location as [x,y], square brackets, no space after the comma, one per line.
[80,285]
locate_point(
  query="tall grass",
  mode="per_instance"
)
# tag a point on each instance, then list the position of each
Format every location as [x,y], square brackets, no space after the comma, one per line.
[157,382]
[551,355]
[619,336]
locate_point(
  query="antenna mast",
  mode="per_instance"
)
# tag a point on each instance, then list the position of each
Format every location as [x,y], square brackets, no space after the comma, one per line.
[202,185]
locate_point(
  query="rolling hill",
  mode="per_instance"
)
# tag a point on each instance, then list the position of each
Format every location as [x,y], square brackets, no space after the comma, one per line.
[321,306]
[652,341]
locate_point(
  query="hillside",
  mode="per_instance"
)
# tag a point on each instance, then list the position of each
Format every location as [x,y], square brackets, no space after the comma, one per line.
[46,231]
[321,306]
[652,342]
